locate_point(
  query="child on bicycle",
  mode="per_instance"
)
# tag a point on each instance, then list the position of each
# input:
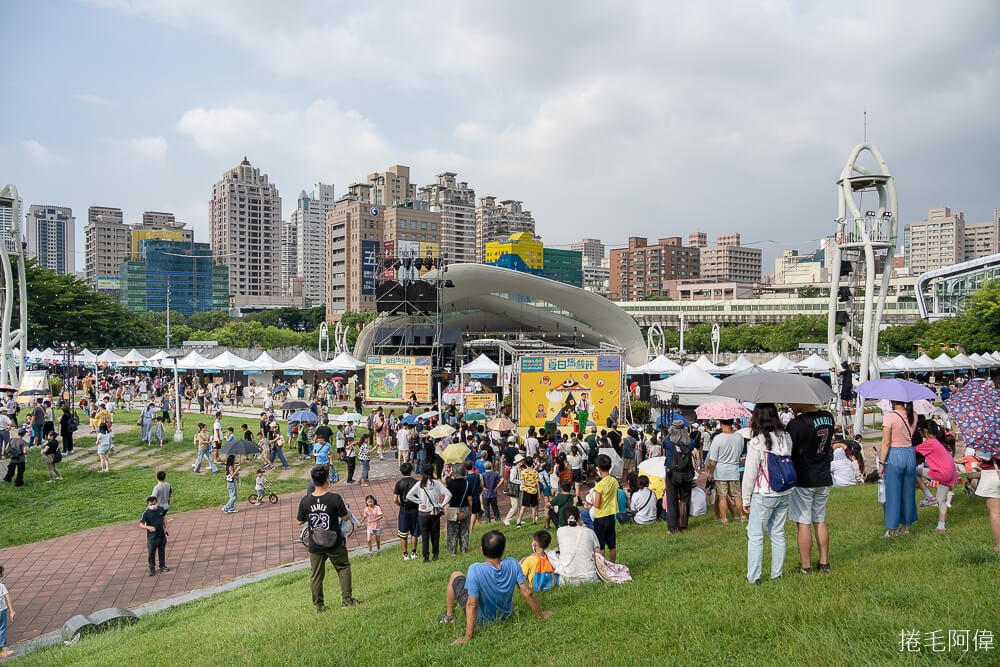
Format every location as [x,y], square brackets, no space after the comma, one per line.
[373,518]
[260,487]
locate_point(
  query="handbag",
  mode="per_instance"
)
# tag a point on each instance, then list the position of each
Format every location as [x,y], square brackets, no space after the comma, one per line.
[458,513]
[334,475]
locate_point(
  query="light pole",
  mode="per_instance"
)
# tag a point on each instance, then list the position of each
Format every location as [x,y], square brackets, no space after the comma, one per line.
[178,433]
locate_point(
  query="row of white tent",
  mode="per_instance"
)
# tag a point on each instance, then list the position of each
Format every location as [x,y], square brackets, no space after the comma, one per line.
[814,363]
[226,361]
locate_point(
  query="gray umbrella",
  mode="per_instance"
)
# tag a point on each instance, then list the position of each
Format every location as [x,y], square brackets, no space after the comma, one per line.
[772,387]
[240,448]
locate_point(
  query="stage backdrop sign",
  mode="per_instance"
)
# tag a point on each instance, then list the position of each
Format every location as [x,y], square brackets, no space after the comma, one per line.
[391,379]
[554,388]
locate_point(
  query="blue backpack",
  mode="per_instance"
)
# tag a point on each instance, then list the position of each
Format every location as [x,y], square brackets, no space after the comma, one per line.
[780,474]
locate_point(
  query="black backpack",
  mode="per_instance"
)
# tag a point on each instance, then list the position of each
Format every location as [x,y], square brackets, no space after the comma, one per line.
[681,467]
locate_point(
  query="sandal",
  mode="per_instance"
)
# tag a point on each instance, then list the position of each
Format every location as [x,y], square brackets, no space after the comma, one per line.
[444,620]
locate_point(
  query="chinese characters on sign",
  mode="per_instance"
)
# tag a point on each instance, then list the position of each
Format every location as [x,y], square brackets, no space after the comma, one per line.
[942,641]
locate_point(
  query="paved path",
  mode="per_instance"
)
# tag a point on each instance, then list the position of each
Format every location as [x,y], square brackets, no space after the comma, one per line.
[50,581]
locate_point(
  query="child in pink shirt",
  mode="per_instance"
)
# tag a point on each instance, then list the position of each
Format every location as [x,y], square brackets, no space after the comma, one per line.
[372,516]
[939,465]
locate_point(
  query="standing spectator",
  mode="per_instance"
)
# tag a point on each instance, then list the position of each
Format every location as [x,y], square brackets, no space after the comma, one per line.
[165,407]
[768,508]
[12,408]
[50,418]
[459,513]
[16,451]
[491,481]
[605,506]
[154,522]
[232,478]
[68,423]
[846,385]
[105,446]
[724,470]
[324,510]
[529,490]
[217,436]
[812,453]
[364,457]
[512,488]
[403,443]
[52,456]
[162,491]
[629,452]
[679,477]
[5,423]
[899,469]
[146,424]
[37,424]
[380,427]
[408,524]
[6,615]
[203,441]
[430,495]
[350,455]
[373,516]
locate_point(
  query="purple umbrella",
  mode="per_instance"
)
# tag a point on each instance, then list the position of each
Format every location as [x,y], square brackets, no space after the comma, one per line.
[894,389]
[976,410]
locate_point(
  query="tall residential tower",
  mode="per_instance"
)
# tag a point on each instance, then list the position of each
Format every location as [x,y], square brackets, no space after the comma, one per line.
[52,237]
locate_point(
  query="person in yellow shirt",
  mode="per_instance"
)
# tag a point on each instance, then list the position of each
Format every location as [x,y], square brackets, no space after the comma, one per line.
[605,506]
[529,490]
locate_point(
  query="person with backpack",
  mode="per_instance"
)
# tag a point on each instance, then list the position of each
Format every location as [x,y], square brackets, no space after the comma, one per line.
[68,423]
[679,478]
[324,511]
[767,483]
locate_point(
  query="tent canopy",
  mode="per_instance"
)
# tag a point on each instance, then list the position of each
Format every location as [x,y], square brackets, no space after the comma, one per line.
[227,361]
[303,361]
[706,365]
[108,357]
[780,363]
[659,366]
[194,361]
[741,364]
[692,385]
[481,364]
[813,364]
[343,362]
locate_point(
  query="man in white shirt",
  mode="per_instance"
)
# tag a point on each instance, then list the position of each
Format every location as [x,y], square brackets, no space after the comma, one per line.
[217,436]
[4,430]
[403,444]
[643,503]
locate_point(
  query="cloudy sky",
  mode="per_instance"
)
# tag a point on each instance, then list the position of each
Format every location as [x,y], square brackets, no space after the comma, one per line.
[607,119]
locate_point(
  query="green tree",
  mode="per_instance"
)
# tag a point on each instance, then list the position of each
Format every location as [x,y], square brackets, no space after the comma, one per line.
[208,320]
[810,292]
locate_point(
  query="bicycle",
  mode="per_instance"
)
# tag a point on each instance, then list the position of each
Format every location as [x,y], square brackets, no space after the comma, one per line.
[271,496]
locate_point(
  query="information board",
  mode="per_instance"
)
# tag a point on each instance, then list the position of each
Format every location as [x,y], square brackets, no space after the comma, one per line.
[390,379]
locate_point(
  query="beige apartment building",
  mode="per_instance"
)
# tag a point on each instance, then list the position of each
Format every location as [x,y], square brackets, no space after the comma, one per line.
[457,203]
[496,223]
[106,246]
[245,233]
[945,238]
[391,186]
[981,238]
[728,261]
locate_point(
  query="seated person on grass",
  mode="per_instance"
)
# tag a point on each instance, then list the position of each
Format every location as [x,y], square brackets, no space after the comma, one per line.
[556,506]
[487,593]
[537,568]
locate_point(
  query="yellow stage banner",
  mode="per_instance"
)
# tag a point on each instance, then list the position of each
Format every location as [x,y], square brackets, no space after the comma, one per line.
[392,379]
[556,388]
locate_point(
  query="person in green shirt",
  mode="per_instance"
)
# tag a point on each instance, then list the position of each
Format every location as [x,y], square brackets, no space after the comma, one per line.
[561,500]
[605,506]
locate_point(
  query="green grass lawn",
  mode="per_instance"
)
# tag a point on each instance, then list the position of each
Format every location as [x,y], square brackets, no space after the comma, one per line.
[689,603]
[87,498]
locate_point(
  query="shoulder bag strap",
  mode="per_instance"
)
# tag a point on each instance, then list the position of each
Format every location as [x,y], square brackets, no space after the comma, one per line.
[909,432]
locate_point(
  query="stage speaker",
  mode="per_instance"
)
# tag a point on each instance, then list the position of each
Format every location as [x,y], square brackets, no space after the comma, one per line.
[390,297]
[841,319]
[421,297]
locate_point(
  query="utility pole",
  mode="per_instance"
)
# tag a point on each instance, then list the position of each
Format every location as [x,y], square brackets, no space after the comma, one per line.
[168,315]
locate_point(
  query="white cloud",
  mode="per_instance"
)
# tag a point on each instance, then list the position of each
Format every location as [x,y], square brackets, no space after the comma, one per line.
[142,151]
[89,98]
[39,154]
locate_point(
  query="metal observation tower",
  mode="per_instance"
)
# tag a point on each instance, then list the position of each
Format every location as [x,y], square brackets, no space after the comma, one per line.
[866,244]
[13,343]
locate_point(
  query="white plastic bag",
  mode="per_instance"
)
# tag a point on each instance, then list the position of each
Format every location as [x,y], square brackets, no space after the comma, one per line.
[881,490]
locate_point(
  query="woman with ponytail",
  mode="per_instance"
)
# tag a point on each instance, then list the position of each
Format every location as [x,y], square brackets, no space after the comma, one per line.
[577,546]
[898,467]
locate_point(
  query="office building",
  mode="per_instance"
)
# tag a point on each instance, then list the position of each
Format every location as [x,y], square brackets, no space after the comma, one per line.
[457,203]
[309,240]
[592,249]
[595,276]
[565,266]
[496,223]
[106,246]
[178,274]
[519,252]
[51,232]
[728,261]
[245,233]
[157,225]
[289,255]
[359,232]
[642,270]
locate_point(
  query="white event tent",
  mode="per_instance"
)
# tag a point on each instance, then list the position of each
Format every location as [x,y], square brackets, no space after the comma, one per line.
[813,364]
[481,364]
[741,364]
[692,385]
[780,364]
[705,364]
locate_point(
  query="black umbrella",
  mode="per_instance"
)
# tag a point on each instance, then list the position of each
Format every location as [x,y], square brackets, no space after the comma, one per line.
[39,392]
[293,406]
[240,448]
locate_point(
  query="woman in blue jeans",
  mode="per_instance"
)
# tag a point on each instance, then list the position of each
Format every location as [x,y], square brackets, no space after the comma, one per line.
[899,469]
[232,476]
[767,508]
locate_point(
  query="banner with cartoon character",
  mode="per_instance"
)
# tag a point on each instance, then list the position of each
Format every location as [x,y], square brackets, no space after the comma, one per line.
[391,379]
[569,390]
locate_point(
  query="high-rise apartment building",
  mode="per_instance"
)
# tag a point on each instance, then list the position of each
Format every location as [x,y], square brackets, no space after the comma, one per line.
[245,234]
[596,276]
[51,232]
[728,261]
[309,223]
[592,249]
[10,219]
[642,270]
[359,232]
[697,239]
[457,203]
[289,255]
[496,223]
[982,239]
[106,246]
[391,186]
[157,225]
[935,242]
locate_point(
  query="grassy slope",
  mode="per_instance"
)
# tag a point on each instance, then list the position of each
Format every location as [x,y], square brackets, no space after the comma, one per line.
[689,603]
[88,498]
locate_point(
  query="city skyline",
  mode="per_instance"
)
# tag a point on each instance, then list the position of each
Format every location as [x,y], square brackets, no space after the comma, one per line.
[568,135]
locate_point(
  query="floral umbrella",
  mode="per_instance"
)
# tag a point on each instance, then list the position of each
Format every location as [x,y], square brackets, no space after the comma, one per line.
[721,410]
[976,409]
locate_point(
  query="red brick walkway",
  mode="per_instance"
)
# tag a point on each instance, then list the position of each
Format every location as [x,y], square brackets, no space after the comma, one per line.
[102,567]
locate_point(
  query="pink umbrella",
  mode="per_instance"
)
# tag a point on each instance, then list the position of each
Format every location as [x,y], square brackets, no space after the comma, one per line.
[721,410]
[921,406]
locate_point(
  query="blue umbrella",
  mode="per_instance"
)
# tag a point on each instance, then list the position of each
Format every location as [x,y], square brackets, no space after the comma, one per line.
[894,389]
[303,416]
[276,390]
[410,419]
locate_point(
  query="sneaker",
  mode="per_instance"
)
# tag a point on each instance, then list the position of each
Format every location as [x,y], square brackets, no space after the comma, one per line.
[406,556]
[320,608]
[506,522]
[518,524]
[164,569]
[805,570]
[724,521]
[823,567]
[152,573]
[927,502]
[756,583]
[413,555]
[350,602]
[940,530]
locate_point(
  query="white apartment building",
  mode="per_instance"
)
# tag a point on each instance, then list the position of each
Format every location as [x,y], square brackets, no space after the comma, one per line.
[289,255]
[309,222]
[51,232]
[457,203]
[245,233]
[593,251]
